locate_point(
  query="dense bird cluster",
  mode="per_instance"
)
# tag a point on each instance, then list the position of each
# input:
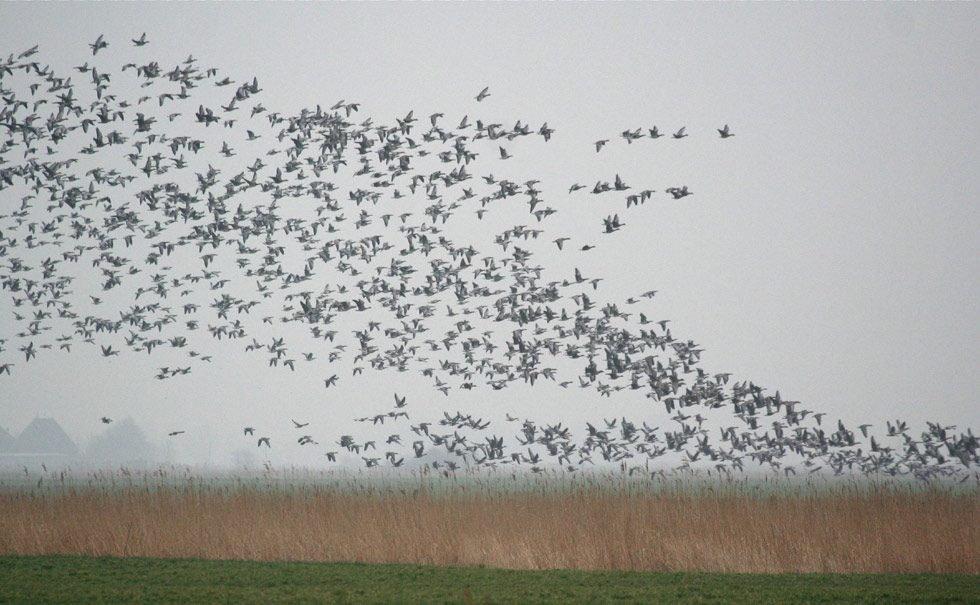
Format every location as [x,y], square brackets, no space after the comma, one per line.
[146,209]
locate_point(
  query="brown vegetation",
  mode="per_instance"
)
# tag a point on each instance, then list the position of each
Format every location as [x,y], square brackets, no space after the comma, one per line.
[589,524]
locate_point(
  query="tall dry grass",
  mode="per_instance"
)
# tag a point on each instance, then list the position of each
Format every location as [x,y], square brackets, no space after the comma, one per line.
[589,524]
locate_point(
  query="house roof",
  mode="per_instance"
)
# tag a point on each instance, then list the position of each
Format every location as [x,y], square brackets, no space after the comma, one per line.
[45,436]
[7,441]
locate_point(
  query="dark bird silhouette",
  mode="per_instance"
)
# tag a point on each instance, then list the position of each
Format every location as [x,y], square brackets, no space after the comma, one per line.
[98,45]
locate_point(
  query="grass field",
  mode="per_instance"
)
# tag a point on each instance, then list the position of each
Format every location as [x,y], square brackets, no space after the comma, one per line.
[592,523]
[74,579]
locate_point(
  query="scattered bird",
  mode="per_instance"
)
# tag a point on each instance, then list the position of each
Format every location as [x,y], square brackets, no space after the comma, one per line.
[98,45]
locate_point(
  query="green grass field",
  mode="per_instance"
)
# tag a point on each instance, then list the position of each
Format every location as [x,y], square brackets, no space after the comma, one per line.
[79,579]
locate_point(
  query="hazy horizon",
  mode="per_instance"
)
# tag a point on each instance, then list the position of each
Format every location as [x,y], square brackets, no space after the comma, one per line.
[831,249]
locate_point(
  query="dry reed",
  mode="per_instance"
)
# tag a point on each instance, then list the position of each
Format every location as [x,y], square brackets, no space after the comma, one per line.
[584,525]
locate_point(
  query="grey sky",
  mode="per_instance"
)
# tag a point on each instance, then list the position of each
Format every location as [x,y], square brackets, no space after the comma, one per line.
[831,249]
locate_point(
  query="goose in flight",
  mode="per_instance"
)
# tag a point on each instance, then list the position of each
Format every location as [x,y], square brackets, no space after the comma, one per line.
[599,144]
[106,420]
[249,430]
[98,45]
[29,52]
[679,192]
[399,401]
[264,440]
[483,94]
[725,133]
[680,134]
[655,133]
[174,433]
[631,136]
[546,132]
[142,41]
[298,425]
[611,223]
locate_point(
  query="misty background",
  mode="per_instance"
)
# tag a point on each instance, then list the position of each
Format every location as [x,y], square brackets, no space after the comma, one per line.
[831,250]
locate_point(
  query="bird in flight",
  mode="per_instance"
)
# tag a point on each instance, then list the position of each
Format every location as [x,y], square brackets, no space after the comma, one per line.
[106,420]
[174,433]
[141,41]
[725,133]
[483,94]
[264,440]
[300,425]
[680,134]
[678,192]
[98,45]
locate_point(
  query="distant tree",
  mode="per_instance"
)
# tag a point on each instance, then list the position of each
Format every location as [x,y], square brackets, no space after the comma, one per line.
[122,443]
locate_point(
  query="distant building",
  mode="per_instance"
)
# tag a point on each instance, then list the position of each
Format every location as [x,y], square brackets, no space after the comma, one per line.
[8,443]
[42,441]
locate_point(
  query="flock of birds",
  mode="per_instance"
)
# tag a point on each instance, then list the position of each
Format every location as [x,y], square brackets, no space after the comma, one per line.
[147,208]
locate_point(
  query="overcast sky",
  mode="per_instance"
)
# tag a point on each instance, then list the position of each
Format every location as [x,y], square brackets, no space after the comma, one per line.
[831,249]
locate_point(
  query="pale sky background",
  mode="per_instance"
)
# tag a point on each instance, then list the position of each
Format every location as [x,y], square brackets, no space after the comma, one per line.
[831,249]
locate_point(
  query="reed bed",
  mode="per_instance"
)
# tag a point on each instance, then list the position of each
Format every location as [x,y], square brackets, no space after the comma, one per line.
[593,522]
